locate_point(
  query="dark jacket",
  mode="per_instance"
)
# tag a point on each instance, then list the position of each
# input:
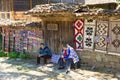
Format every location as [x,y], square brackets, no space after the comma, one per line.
[45,51]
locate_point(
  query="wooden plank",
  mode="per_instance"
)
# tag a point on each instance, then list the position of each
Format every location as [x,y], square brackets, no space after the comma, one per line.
[64,34]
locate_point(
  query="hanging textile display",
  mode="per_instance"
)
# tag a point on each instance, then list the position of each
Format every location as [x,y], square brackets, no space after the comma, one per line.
[78,36]
[3,39]
[12,39]
[18,41]
[34,40]
[89,31]
[114,34]
[101,33]
[6,40]
[21,40]
[30,40]
[24,36]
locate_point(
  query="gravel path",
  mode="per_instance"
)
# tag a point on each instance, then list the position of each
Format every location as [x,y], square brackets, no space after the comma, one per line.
[17,69]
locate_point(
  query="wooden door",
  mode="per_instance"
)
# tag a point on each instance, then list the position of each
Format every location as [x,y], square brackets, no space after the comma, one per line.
[114,34]
[57,32]
[52,34]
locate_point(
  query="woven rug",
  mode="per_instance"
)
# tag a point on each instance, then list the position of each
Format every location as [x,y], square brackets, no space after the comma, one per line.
[89,31]
[78,36]
[101,33]
[114,34]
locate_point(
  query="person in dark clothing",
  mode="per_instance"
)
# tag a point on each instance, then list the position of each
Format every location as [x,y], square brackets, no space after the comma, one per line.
[44,52]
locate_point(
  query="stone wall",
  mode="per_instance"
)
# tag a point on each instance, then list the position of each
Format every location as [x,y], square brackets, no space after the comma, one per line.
[100,59]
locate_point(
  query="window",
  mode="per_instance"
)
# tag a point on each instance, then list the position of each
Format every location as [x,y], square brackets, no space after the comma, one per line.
[21,5]
[5,9]
[8,5]
[2,6]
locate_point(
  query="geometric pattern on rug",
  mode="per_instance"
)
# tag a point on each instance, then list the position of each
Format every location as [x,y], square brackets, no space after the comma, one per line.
[102,29]
[116,43]
[102,32]
[116,32]
[114,35]
[89,31]
[78,36]
[102,42]
[88,36]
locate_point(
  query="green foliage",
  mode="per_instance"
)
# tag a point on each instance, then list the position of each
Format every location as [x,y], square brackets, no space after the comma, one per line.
[2,54]
[24,56]
[13,55]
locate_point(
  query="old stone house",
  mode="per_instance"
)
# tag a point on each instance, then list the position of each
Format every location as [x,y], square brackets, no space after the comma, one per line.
[101,34]
[57,23]
[94,29]
[13,21]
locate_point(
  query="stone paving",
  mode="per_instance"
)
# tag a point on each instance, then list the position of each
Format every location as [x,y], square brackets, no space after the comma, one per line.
[18,69]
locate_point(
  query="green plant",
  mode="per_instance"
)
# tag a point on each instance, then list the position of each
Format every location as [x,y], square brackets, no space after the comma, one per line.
[2,54]
[13,54]
[24,55]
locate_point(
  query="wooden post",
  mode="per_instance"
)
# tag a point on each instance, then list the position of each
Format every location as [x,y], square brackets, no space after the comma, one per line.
[31,4]
[12,10]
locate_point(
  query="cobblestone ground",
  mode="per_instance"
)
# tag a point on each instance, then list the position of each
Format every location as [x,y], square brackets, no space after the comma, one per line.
[17,69]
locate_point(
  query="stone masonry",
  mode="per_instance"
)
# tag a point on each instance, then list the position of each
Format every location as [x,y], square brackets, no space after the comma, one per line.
[100,59]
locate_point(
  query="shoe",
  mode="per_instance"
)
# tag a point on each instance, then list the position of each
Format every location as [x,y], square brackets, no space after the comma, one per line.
[67,72]
[61,67]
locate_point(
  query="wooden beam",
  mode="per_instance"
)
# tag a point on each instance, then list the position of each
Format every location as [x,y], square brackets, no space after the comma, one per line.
[58,18]
[31,4]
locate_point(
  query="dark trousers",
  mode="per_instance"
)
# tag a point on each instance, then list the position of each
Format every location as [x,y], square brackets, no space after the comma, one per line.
[61,63]
[45,57]
[68,63]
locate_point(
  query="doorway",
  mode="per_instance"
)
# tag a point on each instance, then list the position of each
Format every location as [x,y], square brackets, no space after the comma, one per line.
[57,32]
